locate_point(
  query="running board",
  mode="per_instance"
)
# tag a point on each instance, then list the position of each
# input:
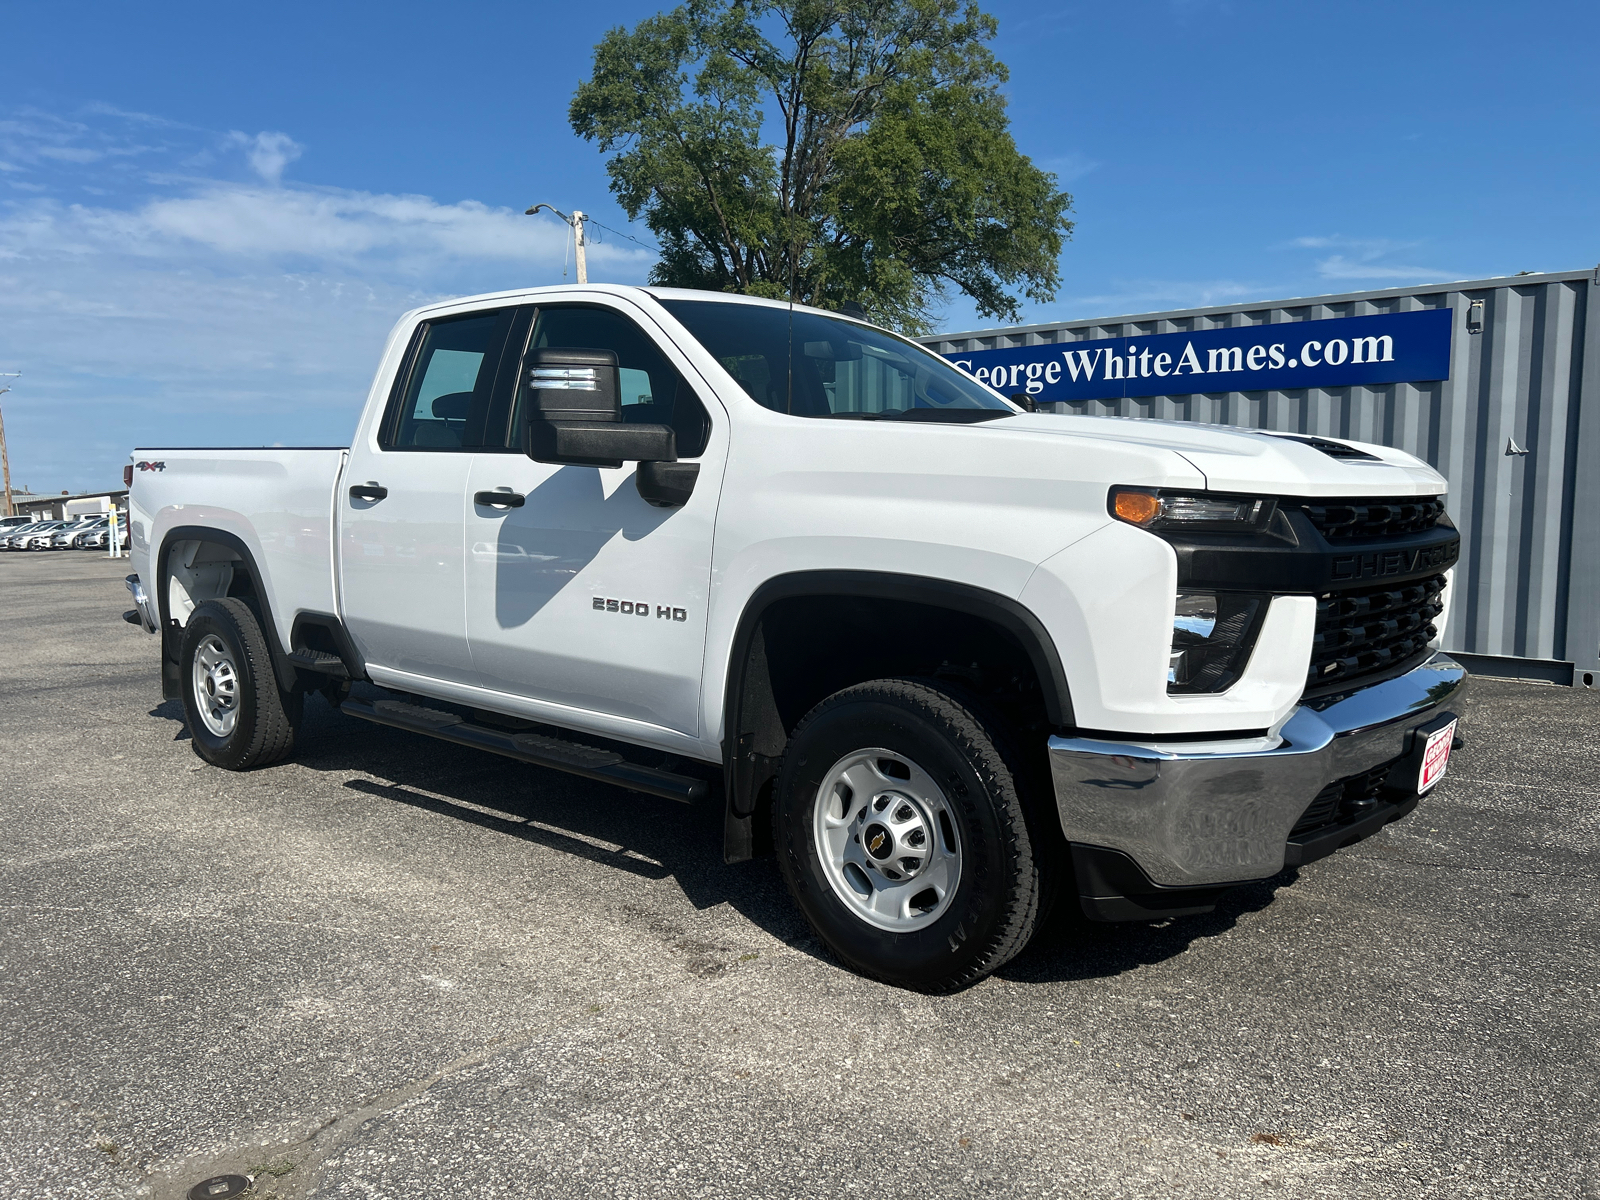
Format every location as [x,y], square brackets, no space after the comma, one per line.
[319,661]
[591,762]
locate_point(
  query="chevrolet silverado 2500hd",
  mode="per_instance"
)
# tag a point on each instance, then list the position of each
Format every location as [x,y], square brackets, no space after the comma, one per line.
[951,656]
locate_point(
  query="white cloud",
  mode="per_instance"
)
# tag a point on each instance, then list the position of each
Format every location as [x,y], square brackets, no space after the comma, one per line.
[1068,167]
[268,153]
[1337,266]
[1367,258]
[1152,295]
[241,222]
[199,310]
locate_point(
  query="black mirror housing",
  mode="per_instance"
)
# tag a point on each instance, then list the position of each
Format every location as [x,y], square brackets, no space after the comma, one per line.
[597,444]
[572,384]
[666,484]
[573,412]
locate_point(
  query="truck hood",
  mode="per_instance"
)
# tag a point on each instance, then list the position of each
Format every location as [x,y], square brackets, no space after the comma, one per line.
[1234,459]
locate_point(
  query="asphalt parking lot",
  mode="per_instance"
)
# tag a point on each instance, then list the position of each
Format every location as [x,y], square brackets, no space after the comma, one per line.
[399,968]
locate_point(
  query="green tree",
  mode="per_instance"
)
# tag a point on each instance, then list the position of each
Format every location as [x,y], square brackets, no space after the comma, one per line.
[831,151]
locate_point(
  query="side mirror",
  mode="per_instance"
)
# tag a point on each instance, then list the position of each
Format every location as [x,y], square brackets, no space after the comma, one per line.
[666,484]
[573,413]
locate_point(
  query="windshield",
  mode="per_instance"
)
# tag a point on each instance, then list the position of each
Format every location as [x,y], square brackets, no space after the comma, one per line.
[837,368]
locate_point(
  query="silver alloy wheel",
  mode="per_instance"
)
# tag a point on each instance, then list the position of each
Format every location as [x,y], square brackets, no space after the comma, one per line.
[216,686]
[887,840]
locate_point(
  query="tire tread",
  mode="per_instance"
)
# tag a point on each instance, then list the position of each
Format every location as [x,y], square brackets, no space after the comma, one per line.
[987,754]
[272,738]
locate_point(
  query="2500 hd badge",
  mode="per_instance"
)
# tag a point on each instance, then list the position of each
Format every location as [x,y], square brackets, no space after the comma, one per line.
[639,608]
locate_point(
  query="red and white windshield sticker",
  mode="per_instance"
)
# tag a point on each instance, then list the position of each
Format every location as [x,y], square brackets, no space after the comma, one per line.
[1436,757]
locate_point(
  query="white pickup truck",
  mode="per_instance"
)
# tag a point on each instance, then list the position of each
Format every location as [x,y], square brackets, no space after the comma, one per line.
[951,657]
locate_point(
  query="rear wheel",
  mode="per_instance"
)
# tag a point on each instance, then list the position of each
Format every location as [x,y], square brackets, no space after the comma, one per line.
[237,717]
[903,837]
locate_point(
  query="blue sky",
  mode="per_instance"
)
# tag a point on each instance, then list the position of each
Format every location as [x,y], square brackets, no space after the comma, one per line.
[211,214]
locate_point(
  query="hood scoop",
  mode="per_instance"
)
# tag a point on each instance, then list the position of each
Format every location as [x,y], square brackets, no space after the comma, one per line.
[1330,448]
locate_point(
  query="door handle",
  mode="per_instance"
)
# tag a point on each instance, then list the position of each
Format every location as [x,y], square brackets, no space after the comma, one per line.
[368,491]
[499,499]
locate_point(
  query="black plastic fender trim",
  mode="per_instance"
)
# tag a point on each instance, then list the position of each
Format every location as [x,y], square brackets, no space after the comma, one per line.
[350,660]
[746,768]
[170,632]
[1112,887]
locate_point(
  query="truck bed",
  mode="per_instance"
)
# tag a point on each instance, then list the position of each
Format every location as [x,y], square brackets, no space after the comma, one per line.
[278,501]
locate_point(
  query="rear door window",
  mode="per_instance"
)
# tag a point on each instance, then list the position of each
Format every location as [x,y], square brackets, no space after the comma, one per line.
[450,383]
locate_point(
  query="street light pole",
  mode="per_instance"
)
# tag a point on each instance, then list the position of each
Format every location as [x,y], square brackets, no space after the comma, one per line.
[5,460]
[576,220]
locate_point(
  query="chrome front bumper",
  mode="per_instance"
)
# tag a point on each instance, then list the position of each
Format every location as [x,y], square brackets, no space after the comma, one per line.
[1196,814]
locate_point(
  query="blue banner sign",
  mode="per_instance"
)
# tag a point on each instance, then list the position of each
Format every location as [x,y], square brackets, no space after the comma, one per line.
[1338,352]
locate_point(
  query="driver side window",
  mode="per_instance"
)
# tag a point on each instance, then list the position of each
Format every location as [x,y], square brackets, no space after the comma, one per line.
[651,390]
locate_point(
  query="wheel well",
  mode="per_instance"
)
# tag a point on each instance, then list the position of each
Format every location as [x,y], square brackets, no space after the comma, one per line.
[196,565]
[817,645]
[803,648]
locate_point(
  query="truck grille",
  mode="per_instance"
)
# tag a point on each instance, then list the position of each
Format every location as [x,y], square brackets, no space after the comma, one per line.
[1339,520]
[1366,630]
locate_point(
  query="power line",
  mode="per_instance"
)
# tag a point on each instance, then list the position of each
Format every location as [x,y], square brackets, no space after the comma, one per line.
[576,223]
[629,236]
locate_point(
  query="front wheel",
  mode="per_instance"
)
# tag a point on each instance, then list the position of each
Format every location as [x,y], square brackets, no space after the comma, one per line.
[903,836]
[237,717]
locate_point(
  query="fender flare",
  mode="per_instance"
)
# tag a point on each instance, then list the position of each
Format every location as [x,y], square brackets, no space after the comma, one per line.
[207,533]
[739,756]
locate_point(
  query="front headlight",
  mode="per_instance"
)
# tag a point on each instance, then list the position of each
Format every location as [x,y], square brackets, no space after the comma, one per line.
[1199,512]
[1212,635]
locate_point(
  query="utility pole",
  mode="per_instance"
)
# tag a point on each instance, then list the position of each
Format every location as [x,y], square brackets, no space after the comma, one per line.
[578,244]
[576,220]
[5,461]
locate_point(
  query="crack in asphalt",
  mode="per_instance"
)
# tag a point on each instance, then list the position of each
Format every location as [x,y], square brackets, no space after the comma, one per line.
[319,1145]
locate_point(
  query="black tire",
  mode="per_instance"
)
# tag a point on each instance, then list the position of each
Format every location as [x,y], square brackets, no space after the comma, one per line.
[263,718]
[994,905]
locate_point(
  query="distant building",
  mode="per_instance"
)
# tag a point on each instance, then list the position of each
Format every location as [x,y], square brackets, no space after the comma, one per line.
[59,508]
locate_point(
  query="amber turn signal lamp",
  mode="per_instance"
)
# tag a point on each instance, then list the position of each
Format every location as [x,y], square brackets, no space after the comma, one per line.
[1137,508]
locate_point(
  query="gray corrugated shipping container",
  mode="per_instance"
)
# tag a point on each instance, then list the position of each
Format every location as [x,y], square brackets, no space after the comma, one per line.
[1524,375]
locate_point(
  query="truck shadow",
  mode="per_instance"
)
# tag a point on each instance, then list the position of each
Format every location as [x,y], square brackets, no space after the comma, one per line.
[1069,947]
[533,561]
[625,831]
[172,710]
[658,839]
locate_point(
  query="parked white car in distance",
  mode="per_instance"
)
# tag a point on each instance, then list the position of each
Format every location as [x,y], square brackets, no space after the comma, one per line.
[16,531]
[36,537]
[63,538]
